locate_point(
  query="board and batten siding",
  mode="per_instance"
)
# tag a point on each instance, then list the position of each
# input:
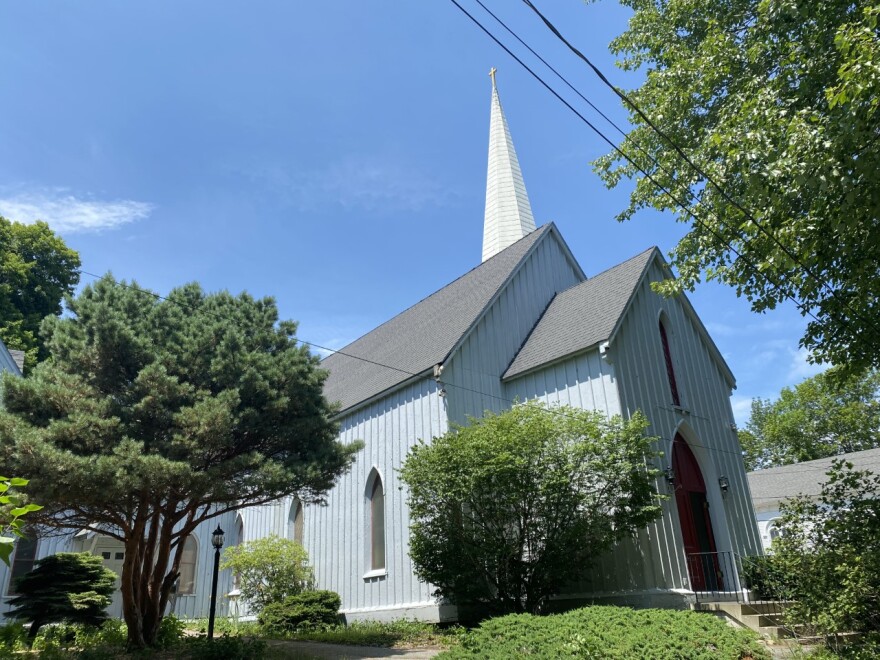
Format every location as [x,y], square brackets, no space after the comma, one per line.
[336,535]
[473,372]
[705,420]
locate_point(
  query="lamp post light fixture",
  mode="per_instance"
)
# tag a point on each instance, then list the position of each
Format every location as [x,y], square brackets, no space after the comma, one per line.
[217,542]
[724,484]
[669,475]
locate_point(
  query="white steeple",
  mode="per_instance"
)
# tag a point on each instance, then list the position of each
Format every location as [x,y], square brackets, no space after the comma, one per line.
[508,213]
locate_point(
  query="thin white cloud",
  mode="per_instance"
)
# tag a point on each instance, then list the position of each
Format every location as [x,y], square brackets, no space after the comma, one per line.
[67,213]
[800,368]
[356,183]
[742,409]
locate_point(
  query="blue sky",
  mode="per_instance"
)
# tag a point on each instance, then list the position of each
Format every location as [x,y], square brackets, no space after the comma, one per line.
[331,154]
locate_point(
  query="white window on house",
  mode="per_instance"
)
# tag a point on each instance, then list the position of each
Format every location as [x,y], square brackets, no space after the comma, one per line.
[188,561]
[377,525]
[295,522]
[23,558]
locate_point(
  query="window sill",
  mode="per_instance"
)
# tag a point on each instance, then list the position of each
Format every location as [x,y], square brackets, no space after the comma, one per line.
[235,593]
[379,572]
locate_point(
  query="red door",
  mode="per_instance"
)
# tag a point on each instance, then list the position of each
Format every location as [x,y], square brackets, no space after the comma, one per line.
[696,524]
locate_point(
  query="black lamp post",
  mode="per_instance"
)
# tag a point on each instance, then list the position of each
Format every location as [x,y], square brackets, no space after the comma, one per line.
[217,542]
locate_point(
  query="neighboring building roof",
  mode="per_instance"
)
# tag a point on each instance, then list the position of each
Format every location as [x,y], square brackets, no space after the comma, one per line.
[423,335]
[778,483]
[582,316]
[7,361]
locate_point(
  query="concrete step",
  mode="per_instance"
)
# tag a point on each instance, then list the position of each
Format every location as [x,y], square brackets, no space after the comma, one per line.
[764,607]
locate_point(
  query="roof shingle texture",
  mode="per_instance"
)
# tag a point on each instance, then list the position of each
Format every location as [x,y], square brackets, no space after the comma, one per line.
[805,478]
[581,317]
[421,336]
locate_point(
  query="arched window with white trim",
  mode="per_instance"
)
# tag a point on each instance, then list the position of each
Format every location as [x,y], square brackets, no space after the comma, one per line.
[187,568]
[377,523]
[296,521]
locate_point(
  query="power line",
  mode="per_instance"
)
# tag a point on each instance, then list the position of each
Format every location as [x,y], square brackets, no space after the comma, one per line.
[634,106]
[463,388]
[801,306]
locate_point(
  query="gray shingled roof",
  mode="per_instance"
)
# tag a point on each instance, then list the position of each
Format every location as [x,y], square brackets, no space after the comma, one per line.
[581,317]
[423,335]
[805,478]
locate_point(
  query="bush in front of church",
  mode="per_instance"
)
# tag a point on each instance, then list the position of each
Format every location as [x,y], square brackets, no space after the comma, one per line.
[507,510]
[309,609]
[269,569]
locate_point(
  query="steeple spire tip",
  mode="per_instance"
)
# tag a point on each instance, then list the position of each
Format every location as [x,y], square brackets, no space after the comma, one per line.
[508,212]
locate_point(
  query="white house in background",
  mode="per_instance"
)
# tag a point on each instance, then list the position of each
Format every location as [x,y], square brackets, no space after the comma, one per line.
[527,323]
[773,485]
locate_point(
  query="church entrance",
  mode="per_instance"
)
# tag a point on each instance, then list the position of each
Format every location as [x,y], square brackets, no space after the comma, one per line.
[696,524]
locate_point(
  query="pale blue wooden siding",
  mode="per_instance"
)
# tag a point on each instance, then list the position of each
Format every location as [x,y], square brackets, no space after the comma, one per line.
[336,535]
[704,390]
[473,373]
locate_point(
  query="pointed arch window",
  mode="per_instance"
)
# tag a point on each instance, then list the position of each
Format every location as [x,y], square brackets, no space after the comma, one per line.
[188,561]
[377,525]
[296,522]
[667,356]
[22,560]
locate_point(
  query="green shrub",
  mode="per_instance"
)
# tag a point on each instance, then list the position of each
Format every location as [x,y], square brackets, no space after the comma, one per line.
[12,638]
[305,610]
[269,569]
[768,577]
[68,586]
[170,632]
[609,632]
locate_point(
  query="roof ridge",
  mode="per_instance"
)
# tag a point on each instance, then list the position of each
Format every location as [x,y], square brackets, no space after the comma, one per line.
[542,228]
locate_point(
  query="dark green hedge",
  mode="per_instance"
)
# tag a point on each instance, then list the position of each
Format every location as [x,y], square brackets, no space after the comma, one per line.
[304,610]
[610,632]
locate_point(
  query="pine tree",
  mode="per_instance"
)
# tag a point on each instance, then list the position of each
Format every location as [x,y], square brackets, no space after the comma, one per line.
[69,586]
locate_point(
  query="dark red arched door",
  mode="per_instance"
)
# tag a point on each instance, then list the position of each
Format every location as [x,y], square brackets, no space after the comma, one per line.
[696,524]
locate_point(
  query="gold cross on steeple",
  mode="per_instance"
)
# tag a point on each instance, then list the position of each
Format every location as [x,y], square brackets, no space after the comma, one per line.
[492,75]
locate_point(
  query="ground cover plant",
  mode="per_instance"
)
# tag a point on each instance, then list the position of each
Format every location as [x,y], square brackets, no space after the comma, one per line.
[395,634]
[609,632]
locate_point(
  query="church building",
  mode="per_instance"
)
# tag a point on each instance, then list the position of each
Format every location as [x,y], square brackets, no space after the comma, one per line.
[526,324]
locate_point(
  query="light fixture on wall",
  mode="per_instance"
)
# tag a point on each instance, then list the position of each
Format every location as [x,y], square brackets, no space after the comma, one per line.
[669,473]
[724,484]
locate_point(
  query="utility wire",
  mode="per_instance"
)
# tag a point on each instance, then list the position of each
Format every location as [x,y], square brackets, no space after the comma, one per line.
[801,306]
[406,372]
[634,106]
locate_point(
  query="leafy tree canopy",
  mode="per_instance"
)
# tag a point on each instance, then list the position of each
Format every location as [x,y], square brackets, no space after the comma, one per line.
[37,270]
[777,102]
[825,415]
[68,586]
[13,506]
[507,510]
[269,569]
[152,416]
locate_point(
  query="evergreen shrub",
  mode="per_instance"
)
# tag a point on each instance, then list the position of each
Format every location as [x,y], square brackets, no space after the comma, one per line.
[768,577]
[305,610]
[609,632]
